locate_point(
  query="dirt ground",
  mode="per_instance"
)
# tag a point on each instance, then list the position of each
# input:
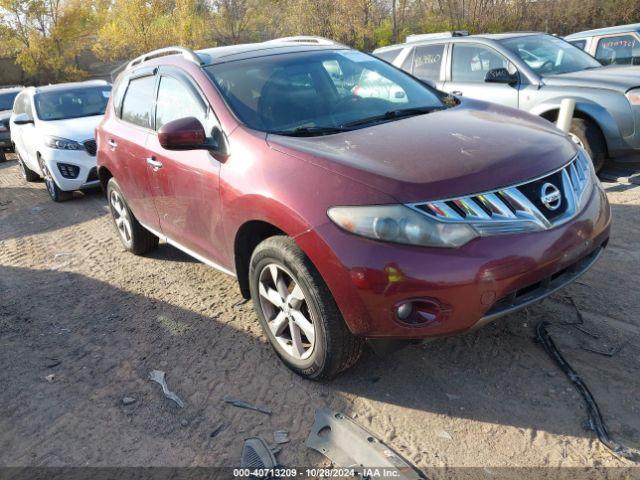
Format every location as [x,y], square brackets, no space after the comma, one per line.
[75,305]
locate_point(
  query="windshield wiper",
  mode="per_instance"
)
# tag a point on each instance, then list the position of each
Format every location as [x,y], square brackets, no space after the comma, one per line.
[309,131]
[393,114]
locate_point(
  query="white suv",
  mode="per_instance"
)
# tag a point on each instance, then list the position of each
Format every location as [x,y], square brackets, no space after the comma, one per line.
[52,128]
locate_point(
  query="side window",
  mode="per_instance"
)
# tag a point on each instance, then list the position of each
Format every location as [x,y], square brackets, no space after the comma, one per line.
[136,106]
[427,62]
[176,100]
[18,106]
[27,106]
[579,43]
[472,62]
[620,50]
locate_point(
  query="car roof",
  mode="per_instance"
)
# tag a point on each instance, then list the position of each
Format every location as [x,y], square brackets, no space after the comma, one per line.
[69,85]
[15,88]
[604,31]
[461,39]
[216,55]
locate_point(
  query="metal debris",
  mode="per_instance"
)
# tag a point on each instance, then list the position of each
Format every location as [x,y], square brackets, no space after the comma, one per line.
[246,405]
[349,445]
[256,454]
[281,436]
[217,430]
[158,376]
[596,421]
[50,378]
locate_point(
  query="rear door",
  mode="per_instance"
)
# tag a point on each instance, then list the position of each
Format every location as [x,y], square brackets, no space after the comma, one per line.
[186,183]
[469,66]
[126,135]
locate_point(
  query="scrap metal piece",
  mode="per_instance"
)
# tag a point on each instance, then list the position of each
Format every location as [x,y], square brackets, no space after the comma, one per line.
[281,436]
[256,454]
[610,352]
[349,445]
[246,405]
[158,376]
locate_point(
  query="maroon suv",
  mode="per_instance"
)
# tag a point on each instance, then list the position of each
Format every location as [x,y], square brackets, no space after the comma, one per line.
[350,200]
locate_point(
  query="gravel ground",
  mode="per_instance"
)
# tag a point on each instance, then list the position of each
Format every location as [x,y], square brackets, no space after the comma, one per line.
[82,323]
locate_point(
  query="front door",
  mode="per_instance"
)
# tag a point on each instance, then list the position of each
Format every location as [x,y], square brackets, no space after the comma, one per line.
[469,66]
[186,183]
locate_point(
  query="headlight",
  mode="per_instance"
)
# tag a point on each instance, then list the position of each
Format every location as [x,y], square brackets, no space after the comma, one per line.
[633,96]
[61,143]
[400,224]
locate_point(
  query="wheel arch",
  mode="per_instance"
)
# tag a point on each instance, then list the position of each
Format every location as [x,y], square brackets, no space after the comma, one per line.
[104,175]
[247,238]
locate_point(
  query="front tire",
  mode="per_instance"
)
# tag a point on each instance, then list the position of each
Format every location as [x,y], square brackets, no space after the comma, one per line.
[135,238]
[588,135]
[298,312]
[55,193]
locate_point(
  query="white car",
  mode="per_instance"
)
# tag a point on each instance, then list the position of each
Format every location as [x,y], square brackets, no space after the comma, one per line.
[52,128]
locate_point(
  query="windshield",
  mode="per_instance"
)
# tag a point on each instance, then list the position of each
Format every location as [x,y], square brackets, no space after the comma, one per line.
[72,103]
[547,55]
[318,93]
[6,100]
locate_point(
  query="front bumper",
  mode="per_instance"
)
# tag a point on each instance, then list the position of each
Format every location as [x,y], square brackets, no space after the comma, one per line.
[471,286]
[86,164]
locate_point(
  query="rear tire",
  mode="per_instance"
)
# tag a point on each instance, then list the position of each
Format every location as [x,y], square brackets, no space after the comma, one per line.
[333,348]
[3,156]
[135,238]
[588,135]
[28,174]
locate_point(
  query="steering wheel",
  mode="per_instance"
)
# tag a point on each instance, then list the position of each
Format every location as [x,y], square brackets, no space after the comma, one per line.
[547,66]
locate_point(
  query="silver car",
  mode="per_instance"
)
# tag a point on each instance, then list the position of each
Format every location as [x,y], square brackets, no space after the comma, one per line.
[533,72]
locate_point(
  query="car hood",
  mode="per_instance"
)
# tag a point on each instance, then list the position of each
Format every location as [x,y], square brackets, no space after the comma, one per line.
[618,78]
[78,129]
[471,148]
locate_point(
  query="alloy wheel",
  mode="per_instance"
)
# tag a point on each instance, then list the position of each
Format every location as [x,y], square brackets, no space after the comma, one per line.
[286,311]
[48,179]
[120,216]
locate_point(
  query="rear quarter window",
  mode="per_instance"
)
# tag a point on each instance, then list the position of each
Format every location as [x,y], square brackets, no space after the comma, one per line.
[579,43]
[388,55]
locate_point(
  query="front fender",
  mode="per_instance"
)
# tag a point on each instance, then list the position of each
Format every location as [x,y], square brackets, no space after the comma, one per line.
[615,122]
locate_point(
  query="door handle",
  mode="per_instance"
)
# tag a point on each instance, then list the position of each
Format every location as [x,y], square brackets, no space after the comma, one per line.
[457,93]
[151,161]
[112,144]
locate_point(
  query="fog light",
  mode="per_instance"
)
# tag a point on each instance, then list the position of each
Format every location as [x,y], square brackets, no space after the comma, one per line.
[404,311]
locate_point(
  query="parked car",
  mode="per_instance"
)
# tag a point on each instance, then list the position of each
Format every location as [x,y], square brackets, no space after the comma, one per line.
[345,217]
[7,96]
[52,128]
[611,46]
[534,72]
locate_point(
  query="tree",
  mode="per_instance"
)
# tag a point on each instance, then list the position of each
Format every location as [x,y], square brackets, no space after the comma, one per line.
[46,36]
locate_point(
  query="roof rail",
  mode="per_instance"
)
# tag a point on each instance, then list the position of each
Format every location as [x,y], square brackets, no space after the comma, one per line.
[185,52]
[304,39]
[431,36]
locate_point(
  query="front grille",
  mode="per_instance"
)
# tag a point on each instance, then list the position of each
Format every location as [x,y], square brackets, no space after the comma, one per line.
[93,175]
[538,204]
[90,147]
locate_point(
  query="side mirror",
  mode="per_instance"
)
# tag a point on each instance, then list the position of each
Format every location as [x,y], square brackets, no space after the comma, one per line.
[22,119]
[182,134]
[500,75]
[188,134]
